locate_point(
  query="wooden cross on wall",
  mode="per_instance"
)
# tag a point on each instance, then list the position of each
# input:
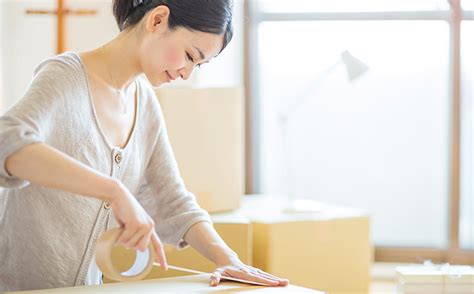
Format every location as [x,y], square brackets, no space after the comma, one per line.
[61,12]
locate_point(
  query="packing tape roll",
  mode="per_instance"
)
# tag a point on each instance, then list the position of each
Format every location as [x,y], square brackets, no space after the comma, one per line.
[103,256]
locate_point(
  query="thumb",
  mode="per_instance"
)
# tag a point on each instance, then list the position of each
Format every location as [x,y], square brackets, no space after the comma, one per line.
[215,278]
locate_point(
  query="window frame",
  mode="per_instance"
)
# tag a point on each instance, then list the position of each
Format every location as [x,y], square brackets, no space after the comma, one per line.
[454,16]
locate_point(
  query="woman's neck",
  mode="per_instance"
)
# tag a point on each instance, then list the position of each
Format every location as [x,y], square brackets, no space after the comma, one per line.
[116,62]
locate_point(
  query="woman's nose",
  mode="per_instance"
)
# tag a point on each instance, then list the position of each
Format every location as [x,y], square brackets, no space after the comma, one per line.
[185,72]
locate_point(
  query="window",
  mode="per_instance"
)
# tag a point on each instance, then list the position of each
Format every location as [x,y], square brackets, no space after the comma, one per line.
[467,5]
[350,5]
[376,135]
[466,222]
[383,142]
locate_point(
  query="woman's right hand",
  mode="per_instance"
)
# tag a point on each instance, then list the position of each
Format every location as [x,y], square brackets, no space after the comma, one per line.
[68,174]
[138,227]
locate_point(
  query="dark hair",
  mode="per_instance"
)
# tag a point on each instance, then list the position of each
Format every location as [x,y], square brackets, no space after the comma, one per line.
[210,16]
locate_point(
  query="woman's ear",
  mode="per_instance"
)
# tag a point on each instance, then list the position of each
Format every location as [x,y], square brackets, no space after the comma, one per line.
[158,19]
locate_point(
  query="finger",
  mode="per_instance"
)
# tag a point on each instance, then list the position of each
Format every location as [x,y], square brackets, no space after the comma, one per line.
[144,241]
[125,236]
[264,272]
[250,277]
[215,278]
[133,242]
[283,282]
[159,250]
[268,276]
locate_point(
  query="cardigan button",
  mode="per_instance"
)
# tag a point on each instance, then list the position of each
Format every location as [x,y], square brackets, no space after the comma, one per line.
[118,158]
[107,205]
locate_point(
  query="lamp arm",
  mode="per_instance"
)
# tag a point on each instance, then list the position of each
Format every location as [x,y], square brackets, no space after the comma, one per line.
[285,115]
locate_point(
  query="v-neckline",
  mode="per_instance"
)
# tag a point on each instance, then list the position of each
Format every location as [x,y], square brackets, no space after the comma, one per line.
[95,116]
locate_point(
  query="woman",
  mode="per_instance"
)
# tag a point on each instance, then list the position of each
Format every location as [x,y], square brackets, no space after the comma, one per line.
[86,149]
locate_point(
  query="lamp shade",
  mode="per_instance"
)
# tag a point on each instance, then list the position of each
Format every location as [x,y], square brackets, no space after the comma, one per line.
[355,68]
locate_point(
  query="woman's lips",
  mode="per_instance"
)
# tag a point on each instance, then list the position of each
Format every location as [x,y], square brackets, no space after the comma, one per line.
[169,77]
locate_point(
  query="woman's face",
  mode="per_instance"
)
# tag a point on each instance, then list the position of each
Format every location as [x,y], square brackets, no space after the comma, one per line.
[165,55]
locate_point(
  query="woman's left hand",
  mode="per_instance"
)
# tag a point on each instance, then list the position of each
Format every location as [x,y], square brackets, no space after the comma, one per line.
[242,271]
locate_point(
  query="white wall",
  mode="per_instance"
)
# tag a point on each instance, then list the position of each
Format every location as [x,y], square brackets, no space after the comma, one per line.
[28,39]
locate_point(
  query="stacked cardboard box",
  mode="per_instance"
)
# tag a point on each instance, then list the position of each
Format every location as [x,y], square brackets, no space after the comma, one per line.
[206,130]
[329,250]
[435,279]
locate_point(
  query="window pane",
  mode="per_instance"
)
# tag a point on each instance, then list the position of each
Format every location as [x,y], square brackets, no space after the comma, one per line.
[466,224]
[467,4]
[351,5]
[380,143]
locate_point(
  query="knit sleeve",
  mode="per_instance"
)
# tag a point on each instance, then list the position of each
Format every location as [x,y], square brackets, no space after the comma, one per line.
[30,119]
[164,194]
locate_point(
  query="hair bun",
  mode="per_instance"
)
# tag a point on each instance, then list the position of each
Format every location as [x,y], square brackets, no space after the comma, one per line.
[209,16]
[138,3]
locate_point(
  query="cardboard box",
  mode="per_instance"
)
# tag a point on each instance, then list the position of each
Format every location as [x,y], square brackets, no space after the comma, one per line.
[189,284]
[329,251]
[234,228]
[436,279]
[206,130]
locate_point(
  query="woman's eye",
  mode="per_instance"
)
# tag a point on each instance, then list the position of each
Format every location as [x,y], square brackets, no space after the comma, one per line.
[189,57]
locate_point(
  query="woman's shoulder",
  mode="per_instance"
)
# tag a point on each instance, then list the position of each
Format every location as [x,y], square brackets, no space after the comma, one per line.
[62,66]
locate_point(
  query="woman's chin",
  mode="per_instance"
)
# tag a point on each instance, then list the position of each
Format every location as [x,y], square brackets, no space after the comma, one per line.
[156,81]
[158,84]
